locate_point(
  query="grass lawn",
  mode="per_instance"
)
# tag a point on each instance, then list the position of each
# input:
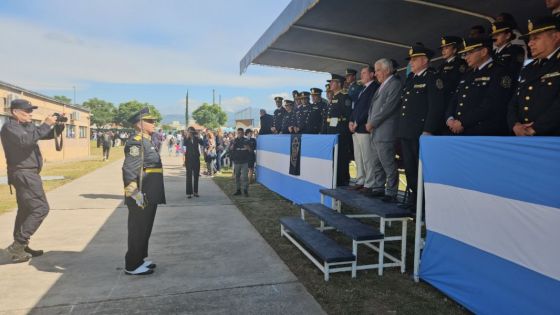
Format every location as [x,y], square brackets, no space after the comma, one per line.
[70,170]
[393,293]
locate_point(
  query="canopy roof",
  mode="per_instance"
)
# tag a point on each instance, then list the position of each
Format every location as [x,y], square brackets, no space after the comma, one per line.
[332,35]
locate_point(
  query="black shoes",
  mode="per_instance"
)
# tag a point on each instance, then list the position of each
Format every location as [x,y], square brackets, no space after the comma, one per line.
[196,195]
[246,193]
[237,193]
[376,194]
[189,196]
[34,253]
[389,199]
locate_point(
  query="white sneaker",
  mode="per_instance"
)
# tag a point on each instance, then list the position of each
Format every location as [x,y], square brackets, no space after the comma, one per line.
[140,271]
[149,264]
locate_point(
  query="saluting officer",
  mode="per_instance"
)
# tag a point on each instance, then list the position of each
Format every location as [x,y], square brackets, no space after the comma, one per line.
[288,121]
[314,120]
[507,54]
[453,68]
[535,107]
[20,137]
[338,114]
[279,113]
[353,88]
[421,113]
[479,106]
[144,190]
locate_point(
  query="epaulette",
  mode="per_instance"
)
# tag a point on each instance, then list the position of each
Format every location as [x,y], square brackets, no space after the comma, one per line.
[137,137]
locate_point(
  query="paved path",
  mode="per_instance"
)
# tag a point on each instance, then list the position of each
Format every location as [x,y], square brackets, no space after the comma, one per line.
[210,258]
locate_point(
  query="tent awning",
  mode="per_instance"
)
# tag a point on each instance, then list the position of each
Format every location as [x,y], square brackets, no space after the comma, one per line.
[332,35]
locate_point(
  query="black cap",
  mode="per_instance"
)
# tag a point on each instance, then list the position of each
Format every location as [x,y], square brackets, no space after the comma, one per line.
[474,43]
[279,98]
[295,92]
[316,91]
[418,50]
[351,72]
[542,24]
[288,102]
[143,114]
[337,77]
[304,94]
[22,104]
[499,27]
[451,40]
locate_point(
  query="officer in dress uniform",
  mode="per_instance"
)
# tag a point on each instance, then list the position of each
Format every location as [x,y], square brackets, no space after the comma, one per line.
[144,190]
[421,113]
[279,113]
[314,120]
[20,137]
[288,121]
[303,113]
[507,54]
[479,105]
[451,70]
[353,88]
[535,107]
[338,114]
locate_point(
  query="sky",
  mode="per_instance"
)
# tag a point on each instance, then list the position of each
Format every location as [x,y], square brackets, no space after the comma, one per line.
[150,51]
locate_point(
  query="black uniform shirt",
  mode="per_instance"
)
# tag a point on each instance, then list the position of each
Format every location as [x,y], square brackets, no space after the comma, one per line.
[339,109]
[314,120]
[450,72]
[481,98]
[152,182]
[511,57]
[20,143]
[537,99]
[278,118]
[422,105]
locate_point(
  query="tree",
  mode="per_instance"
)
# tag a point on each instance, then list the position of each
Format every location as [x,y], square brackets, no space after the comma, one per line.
[126,110]
[210,116]
[62,99]
[102,112]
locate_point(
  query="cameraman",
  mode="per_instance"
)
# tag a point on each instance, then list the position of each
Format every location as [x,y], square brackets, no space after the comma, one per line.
[191,142]
[20,139]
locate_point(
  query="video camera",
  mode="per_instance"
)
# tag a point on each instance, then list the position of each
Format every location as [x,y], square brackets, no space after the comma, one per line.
[60,118]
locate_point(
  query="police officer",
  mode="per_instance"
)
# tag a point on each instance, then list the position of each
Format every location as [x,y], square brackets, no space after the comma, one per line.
[279,113]
[288,121]
[421,113]
[535,107]
[451,70]
[314,120]
[303,113]
[479,106]
[338,114]
[352,88]
[144,190]
[507,54]
[20,139]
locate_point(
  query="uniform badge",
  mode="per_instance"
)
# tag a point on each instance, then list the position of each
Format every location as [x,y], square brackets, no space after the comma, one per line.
[506,82]
[439,84]
[134,151]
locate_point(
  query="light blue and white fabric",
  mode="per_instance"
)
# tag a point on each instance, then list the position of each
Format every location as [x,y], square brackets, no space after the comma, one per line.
[493,222]
[273,166]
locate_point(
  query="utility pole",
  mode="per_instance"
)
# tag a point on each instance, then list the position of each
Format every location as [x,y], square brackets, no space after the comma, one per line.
[74,100]
[187,110]
[220,100]
[213,96]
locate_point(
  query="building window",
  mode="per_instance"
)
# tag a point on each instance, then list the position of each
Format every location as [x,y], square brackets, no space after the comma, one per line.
[83,132]
[70,131]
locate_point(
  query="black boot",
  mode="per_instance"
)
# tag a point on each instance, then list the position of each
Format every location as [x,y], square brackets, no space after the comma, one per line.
[237,193]
[34,253]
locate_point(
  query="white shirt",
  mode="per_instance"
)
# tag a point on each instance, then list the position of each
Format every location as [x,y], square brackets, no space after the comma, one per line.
[554,52]
[485,64]
[385,82]
[451,59]
[421,72]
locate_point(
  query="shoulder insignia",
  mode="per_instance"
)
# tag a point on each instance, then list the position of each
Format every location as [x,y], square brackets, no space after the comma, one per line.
[137,137]
[134,150]
[550,75]
[490,65]
[506,82]
[439,84]
[462,68]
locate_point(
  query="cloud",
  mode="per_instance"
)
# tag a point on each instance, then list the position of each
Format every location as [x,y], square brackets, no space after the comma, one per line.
[58,57]
[236,103]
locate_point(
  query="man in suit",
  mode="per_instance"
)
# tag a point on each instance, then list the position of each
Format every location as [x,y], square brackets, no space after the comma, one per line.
[361,138]
[266,123]
[421,113]
[382,124]
[479,107]
[535,109]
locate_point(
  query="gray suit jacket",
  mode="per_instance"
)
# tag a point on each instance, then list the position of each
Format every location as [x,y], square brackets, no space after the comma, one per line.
[383,110]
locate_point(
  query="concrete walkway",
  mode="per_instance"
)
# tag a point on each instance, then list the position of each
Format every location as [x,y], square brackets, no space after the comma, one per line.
[210,258]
